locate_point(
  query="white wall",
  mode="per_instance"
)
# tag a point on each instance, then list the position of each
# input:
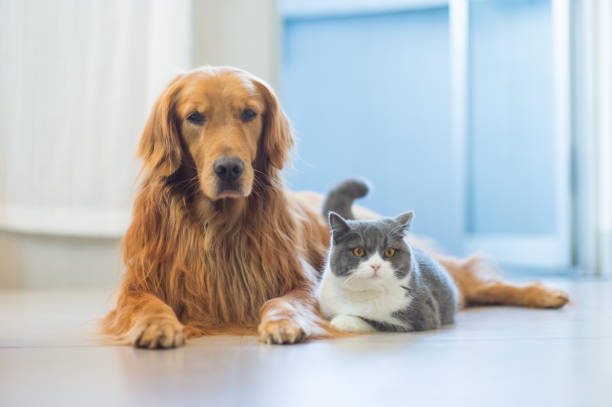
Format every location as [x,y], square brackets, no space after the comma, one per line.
[48,261]
[241,33]
[78,78]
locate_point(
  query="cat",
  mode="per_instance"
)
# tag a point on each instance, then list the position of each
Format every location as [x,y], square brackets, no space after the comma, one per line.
[374,280]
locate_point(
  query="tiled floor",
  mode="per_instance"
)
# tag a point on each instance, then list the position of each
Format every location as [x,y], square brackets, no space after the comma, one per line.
[490,357]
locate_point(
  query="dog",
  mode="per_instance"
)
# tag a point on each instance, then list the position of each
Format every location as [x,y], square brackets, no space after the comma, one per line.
[218,245]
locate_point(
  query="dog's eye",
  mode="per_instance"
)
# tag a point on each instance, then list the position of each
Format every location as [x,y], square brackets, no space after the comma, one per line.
[196,118]
[247,115]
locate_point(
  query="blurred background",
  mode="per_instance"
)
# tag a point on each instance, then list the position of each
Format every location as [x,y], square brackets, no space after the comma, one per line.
[490,119]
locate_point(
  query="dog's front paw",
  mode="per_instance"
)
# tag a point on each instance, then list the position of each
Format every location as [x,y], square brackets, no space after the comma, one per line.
[280,331]
[160,334]
[351,323]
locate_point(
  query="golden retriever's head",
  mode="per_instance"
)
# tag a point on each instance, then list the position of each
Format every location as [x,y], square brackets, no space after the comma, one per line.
[224,122]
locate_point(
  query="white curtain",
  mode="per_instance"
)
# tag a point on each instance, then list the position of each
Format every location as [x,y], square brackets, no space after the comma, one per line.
[77,80]
[593,129]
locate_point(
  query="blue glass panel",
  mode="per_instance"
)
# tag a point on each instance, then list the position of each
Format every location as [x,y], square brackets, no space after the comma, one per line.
[512,142]
[370,96]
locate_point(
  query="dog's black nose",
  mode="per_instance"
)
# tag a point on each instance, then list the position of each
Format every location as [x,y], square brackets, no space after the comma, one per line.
[228,168]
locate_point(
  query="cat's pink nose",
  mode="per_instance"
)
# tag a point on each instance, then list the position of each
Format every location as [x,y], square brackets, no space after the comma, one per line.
[375,267]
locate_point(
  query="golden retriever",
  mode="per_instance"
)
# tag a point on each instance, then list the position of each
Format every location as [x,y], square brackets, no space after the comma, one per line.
[216,244]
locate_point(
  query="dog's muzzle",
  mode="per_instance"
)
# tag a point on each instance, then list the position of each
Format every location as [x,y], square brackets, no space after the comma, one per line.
[228,171]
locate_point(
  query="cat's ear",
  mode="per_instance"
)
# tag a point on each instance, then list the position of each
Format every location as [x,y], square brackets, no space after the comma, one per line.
[403,221]
[337,224]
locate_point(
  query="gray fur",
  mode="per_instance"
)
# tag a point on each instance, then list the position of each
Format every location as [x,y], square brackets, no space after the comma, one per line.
[341,197]
[431,295]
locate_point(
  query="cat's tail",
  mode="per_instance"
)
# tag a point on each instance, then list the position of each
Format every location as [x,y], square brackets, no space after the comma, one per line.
[340,198]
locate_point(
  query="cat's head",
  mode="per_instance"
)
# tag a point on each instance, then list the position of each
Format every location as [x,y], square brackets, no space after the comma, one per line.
[367,252]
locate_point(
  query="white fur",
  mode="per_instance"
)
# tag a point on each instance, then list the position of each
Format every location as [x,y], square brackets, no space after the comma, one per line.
[362,295]
[351,324]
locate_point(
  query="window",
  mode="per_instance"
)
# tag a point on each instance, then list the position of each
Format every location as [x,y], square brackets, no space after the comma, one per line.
[455,111]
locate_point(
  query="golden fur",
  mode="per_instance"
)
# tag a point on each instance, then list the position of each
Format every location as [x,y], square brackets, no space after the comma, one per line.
[200,260]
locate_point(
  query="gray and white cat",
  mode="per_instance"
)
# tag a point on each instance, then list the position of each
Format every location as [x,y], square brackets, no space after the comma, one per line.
[375,281]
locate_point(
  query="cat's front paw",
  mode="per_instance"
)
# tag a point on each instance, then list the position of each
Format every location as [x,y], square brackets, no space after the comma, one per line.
[351,323]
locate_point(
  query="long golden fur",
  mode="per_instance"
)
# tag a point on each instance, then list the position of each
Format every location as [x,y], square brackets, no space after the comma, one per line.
[201,259]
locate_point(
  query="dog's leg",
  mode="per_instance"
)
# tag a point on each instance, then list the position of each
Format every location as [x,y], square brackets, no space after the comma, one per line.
[532,295]
[295,316]
[476,286]
[291,318]
[144,321]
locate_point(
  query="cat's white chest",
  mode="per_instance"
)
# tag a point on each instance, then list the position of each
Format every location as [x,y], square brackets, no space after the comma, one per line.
[376,301]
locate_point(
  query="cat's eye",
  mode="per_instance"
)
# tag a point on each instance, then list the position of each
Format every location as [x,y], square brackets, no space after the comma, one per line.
[247,115]
[389,252]
[196,118]
[358,251]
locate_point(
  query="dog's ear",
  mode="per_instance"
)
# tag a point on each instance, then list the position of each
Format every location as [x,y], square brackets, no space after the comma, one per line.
[277,138]
[160,144]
